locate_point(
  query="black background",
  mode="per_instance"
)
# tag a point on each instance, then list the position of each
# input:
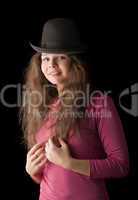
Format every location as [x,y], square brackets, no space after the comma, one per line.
[111,35]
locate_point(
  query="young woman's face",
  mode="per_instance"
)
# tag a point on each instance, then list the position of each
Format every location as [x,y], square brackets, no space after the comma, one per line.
[56,68]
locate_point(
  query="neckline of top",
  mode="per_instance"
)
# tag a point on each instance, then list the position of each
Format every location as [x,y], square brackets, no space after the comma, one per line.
[55,102]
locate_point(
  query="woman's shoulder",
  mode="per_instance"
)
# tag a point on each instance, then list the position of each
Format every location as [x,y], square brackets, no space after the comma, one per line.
[101,100]
[101,106]
[55,102]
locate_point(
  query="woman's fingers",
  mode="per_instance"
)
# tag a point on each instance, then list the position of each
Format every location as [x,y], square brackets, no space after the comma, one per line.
[37,153]
[40,164]
[36,159]
[46,148]
[35,148]
[39,159]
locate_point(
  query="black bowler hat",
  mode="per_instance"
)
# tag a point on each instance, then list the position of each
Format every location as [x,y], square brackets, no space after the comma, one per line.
[60,35]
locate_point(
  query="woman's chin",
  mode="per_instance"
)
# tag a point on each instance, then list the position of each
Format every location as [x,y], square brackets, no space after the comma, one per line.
[55,81]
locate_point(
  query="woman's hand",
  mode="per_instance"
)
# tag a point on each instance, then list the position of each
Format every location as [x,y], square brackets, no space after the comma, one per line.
[36,160]
[58,155]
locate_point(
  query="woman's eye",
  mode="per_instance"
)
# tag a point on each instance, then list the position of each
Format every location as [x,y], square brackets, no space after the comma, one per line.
[45,59]
[62,57]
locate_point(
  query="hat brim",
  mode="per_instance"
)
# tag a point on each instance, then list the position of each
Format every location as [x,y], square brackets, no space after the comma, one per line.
[78,50]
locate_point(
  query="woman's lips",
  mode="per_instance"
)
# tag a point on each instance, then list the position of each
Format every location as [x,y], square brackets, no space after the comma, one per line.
[54,73]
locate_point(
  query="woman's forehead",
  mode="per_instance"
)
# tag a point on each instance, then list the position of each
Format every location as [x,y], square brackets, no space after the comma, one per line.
[52,55]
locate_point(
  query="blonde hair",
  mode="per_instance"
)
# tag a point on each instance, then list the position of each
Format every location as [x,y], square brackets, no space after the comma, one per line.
[33,111]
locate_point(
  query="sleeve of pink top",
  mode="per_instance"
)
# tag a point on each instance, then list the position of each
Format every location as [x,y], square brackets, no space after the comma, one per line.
[116,163]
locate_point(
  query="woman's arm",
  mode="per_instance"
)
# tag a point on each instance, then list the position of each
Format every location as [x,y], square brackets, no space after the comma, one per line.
[116,163]
[79,166]
[37,178]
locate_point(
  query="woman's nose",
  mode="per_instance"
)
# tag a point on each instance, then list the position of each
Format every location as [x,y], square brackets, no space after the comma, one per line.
[52,63]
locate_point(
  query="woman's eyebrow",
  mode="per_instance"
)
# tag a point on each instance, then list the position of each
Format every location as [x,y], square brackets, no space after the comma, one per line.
[43,56]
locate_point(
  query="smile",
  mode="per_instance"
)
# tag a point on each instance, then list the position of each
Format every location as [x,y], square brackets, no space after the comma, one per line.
[54,74]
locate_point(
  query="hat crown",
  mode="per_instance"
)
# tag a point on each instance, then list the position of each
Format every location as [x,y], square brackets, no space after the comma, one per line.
[60,31]
[60,35]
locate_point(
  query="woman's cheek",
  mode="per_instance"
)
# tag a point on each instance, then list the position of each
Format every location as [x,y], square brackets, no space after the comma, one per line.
[43,68]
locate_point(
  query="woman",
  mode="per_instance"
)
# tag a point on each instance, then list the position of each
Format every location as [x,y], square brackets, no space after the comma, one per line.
[75,140]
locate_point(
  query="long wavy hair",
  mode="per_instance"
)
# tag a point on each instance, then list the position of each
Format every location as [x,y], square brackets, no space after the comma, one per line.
[38,93]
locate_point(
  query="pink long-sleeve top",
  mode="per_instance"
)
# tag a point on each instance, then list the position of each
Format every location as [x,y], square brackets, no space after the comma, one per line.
[101,141]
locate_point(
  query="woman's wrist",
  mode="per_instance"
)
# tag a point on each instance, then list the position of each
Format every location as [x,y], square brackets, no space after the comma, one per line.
[37,178]
[79,166]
